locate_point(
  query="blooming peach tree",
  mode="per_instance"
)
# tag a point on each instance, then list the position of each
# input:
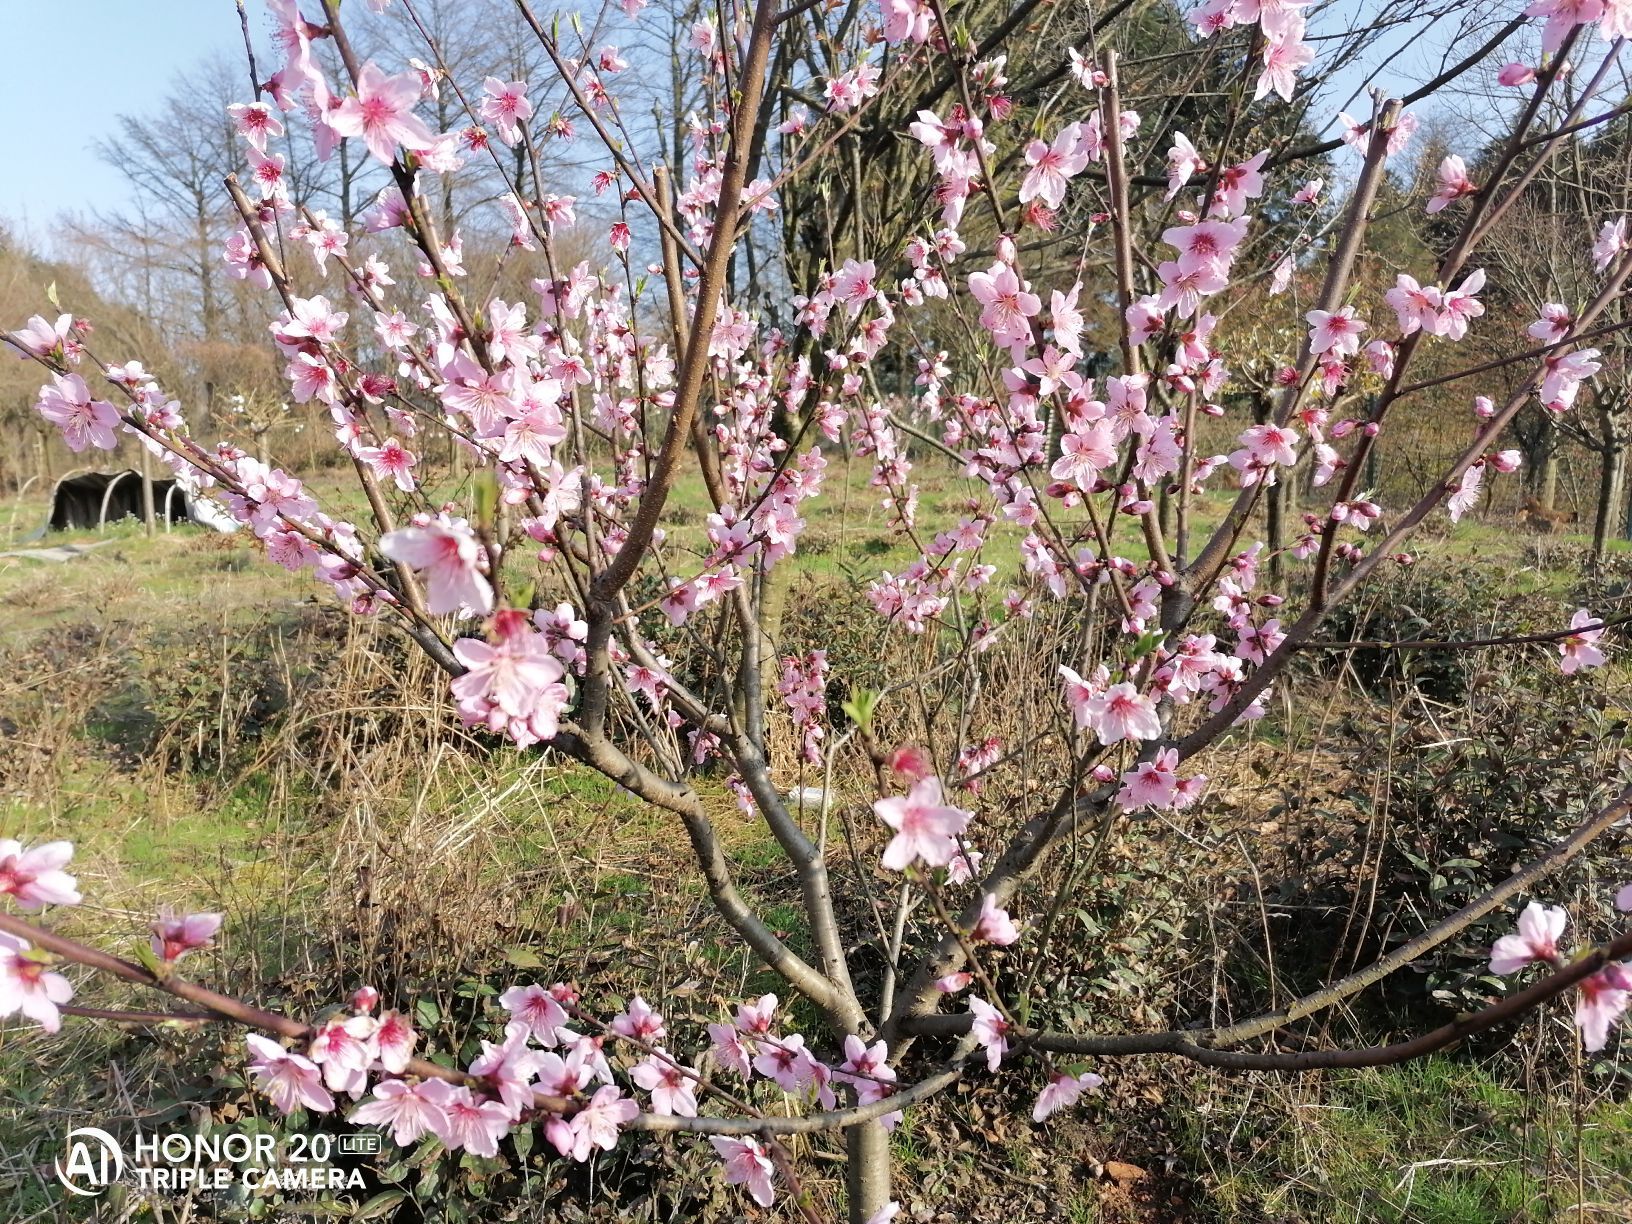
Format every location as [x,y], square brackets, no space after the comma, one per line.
[577,411]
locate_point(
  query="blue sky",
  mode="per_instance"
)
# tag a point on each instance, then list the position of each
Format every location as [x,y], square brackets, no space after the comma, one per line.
[67,68]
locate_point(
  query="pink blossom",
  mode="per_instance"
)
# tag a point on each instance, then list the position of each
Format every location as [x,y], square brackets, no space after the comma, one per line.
[27,987]
[728,1049]
[1150,784]
[755,1018]
[382,113]
[1414,305]
[1062,1092]
[255,122]
[1006,304]
[597,1124]
[906,21]
[1182,162]
[475,1126]
[1240,183]
[506,107]
[1052,166]
[994,926]
[290,1080]
[513,684]
[1467,492]
[671,1088]
[910,762]
[786,1061]
[44,338]
[1536,940]
[1380,357]
[448,557]
[926,828]
[411,1111]
[84,422]
[1555,324]
[1357,135]
[640,1022]
[1284,53]
[537,1008]
[1088,449]
[1454,183]
[1080,692]
[394,1041]
[1564,375]
[1581,648]
[1268,445]
[1460,306]
[244,260]
[174,936]
[747,1163]
[1601,1001]
[1611,241]
[991,1030]
[1122,712]
[343,1047]
[1562,17]
[1335,331]
[35,878]
[391,458]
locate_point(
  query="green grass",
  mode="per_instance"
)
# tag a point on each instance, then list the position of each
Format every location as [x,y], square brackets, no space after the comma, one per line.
[1433,1142]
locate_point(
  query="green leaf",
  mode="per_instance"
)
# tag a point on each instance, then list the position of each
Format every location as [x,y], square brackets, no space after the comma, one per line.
[381,1204]
[427,1013]
[150,962]
[522,958]
[861,706]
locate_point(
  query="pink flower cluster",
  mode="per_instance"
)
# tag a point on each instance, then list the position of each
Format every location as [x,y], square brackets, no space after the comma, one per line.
[1602,998]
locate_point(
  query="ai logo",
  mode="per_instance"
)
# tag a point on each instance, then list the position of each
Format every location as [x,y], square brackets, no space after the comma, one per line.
[94,1162]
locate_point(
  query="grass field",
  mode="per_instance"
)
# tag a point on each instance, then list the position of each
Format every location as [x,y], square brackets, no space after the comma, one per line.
[212,735]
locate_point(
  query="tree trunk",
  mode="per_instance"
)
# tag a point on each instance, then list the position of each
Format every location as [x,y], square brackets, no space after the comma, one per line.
[1611,478]
[1275,528]
[1547,493]
[867,1175]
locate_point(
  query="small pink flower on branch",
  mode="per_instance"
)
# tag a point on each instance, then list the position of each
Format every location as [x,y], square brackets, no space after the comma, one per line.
[174,936]
[35,878]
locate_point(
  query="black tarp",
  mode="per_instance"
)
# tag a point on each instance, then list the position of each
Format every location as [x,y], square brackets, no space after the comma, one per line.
[88,499]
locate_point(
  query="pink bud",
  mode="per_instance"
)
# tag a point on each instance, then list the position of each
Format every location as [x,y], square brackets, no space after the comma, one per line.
[911,762]
[1516,74]
[365,999]
[1373,429]
[1104,773]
